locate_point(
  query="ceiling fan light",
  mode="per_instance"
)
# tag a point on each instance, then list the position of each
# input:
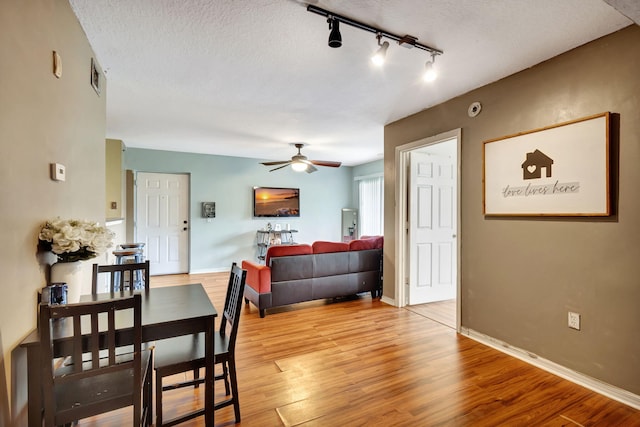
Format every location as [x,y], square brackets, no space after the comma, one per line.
[379,57]
[299,166]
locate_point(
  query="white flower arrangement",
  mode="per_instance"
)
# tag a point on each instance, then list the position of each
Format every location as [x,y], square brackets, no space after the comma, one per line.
[75,240]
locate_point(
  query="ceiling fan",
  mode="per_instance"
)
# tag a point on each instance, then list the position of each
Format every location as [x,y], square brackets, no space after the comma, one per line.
[300,162]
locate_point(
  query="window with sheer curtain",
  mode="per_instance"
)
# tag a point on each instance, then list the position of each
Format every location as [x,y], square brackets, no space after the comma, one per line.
[371,205]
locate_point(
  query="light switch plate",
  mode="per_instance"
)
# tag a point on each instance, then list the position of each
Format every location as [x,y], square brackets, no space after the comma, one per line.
[58,172]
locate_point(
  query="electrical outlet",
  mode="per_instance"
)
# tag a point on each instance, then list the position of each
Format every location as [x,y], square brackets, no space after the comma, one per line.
[574,320]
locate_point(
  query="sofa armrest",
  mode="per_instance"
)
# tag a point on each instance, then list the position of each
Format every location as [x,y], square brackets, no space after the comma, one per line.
[258,276]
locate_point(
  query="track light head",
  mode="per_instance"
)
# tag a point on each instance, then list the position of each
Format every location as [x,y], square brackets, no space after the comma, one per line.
[335,38]
[430,72]
[379,57]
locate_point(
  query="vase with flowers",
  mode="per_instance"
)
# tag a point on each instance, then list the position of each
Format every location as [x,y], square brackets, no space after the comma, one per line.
[72,241]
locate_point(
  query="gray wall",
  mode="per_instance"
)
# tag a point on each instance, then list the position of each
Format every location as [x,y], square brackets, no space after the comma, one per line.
[520,276]
[43,120]
[228,181]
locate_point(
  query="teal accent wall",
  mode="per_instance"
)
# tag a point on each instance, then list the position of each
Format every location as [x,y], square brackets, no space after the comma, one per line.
[371,168]
[228,181]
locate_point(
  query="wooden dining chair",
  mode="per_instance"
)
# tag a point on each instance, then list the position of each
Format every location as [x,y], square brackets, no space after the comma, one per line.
[99,378]
[123,278]
[186,354]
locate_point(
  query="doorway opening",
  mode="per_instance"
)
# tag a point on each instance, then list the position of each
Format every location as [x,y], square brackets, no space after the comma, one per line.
[427,218]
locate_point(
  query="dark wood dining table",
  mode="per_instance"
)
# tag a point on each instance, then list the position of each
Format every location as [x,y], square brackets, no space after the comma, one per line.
[166,312]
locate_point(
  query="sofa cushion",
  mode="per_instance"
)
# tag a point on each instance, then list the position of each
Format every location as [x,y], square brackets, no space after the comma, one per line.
[369,243]
[287,250]
[365,260]
[330,264]
[322,247]
[291,268]
[378,239]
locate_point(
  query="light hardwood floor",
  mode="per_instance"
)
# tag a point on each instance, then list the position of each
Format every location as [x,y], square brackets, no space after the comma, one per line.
[362,362]
[443,312]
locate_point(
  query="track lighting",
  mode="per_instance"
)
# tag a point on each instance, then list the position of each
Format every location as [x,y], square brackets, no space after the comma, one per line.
[380,55]
[430,72]
[335,38]
[408,41]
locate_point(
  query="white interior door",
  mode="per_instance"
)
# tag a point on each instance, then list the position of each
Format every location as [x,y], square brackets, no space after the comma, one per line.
[162,215]
[432,224]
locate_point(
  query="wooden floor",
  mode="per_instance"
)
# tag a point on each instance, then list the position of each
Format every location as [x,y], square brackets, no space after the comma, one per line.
[443,312]
[362,362]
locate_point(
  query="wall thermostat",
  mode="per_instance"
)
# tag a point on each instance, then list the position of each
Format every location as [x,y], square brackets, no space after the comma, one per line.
[58,172]
[474,109]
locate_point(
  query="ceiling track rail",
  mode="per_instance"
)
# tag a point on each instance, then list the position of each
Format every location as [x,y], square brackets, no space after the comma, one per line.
[406,40]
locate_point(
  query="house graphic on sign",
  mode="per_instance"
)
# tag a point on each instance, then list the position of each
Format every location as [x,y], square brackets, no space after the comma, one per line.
[533,165]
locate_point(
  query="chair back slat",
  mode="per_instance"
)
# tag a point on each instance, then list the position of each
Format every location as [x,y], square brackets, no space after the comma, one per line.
[77,342]
[94,345]
[121,275]
[111,337]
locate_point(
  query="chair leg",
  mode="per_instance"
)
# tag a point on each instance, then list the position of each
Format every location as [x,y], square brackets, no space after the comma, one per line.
[137,412]
[158,399]
[149,395]
[234,388]
[225,376]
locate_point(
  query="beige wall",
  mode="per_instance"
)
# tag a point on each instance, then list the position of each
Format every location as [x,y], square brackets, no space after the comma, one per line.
[114,179]
[42,120]
[520,276]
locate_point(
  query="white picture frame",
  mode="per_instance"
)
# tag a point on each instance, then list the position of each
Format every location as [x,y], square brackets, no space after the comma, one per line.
[559,170]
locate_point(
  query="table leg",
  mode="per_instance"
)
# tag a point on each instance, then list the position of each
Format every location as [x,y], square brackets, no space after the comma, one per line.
[34,385]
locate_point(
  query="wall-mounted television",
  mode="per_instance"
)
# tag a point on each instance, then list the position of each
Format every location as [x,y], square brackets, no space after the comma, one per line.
[276,202]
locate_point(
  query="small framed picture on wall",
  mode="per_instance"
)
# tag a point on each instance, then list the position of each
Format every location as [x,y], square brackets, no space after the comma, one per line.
[95,76]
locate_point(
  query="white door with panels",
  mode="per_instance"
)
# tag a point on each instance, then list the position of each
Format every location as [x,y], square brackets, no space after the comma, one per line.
[432,227]
[162,220]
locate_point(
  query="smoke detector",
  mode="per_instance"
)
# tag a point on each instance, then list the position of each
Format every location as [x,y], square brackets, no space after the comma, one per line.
[474,109]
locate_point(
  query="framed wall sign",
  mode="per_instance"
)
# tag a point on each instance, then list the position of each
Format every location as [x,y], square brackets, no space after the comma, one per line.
[560,170]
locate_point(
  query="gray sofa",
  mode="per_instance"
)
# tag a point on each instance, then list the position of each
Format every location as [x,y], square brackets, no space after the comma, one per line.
[297,273]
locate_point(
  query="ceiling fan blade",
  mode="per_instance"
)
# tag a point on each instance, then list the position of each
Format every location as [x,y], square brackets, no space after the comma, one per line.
[280,162]
[309,164]
[326,163]
[280,167]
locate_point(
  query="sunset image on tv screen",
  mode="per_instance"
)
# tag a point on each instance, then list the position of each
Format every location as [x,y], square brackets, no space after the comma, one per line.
[274,202]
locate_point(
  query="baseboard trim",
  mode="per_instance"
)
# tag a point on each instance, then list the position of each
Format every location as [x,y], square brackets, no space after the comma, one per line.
[211,270]
[608,390]
[388,300]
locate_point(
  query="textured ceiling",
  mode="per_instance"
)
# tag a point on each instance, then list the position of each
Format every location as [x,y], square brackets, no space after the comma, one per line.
[248,78]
